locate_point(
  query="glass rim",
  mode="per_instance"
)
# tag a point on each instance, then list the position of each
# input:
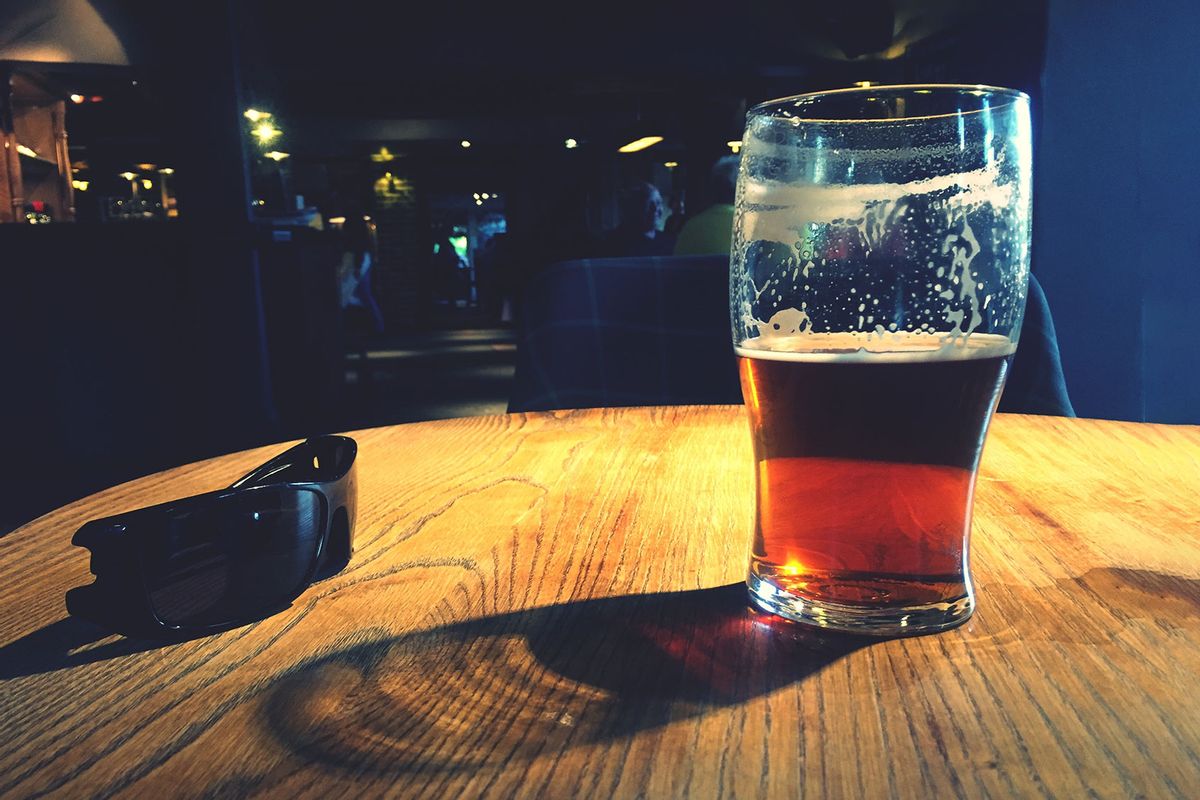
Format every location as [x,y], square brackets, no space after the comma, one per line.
[977,89]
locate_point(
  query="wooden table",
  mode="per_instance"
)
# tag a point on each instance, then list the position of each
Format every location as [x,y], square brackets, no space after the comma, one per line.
[550,605]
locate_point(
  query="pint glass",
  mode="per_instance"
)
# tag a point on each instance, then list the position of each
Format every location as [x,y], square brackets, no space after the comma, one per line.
[878,274]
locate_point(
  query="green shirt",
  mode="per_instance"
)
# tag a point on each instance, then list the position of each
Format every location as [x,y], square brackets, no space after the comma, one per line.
[706,233]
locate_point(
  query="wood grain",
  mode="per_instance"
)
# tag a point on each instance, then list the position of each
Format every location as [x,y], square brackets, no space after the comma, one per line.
[549,605]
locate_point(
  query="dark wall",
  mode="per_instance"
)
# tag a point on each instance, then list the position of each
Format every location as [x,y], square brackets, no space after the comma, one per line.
[1116,240]
[115,362]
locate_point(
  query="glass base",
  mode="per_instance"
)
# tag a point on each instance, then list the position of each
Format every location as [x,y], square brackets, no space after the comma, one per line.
[872,621]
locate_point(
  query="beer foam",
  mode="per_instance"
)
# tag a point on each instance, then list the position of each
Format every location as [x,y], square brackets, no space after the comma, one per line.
[900,347]
[771,209]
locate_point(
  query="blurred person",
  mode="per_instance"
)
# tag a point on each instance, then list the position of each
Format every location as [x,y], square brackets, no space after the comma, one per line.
[360,310]
[642,213]
[491,263]
[710,231]
[449,271]
[675,217]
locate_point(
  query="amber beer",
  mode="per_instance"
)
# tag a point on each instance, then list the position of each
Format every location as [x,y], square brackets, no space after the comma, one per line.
[866,460]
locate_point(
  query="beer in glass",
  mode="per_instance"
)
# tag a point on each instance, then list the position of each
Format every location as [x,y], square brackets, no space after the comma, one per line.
[879,270]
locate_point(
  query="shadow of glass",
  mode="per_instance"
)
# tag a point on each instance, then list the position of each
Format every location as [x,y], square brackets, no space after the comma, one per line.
[515,686]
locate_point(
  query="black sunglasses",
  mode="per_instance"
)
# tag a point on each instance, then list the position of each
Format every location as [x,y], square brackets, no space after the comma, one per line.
[225,558]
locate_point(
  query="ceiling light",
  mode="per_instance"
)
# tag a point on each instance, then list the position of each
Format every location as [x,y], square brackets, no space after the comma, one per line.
[147,183]
[735,146]
[167,171]
[640,144]
[265,132]
[254,115]
[671,164]
[383,156]
[465,143]
[276,155]
[80,185]
[571,144]
[77,98]
[128,175]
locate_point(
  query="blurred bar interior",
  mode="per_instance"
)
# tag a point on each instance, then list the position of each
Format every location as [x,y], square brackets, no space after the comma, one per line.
[187,195]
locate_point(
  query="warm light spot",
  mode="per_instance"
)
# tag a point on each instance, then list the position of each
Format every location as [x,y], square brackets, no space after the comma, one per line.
[465,143]
[388,183]
[792,567]
[383,156]
[80,185]
[749,384]
[25,151]
[254,115]
[77,98]
[639,144]
[485,195]
[167,171]
[862,84]
[128,175]
[571,144]
[145,167]
[670,164]
[276,155]
[734,145]
[147,183]
[337,220]
[266,132]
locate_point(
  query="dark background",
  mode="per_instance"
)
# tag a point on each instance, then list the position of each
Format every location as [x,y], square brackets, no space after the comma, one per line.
[127,349]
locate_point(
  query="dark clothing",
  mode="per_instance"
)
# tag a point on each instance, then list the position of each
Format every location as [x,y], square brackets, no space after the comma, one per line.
[655,331]
[626,332]
[623,243]
[1036,384]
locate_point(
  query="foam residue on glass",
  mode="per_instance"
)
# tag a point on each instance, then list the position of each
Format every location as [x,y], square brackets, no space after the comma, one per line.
[844,246]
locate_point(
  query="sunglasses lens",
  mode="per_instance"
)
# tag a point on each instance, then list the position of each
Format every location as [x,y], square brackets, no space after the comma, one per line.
[231,557]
